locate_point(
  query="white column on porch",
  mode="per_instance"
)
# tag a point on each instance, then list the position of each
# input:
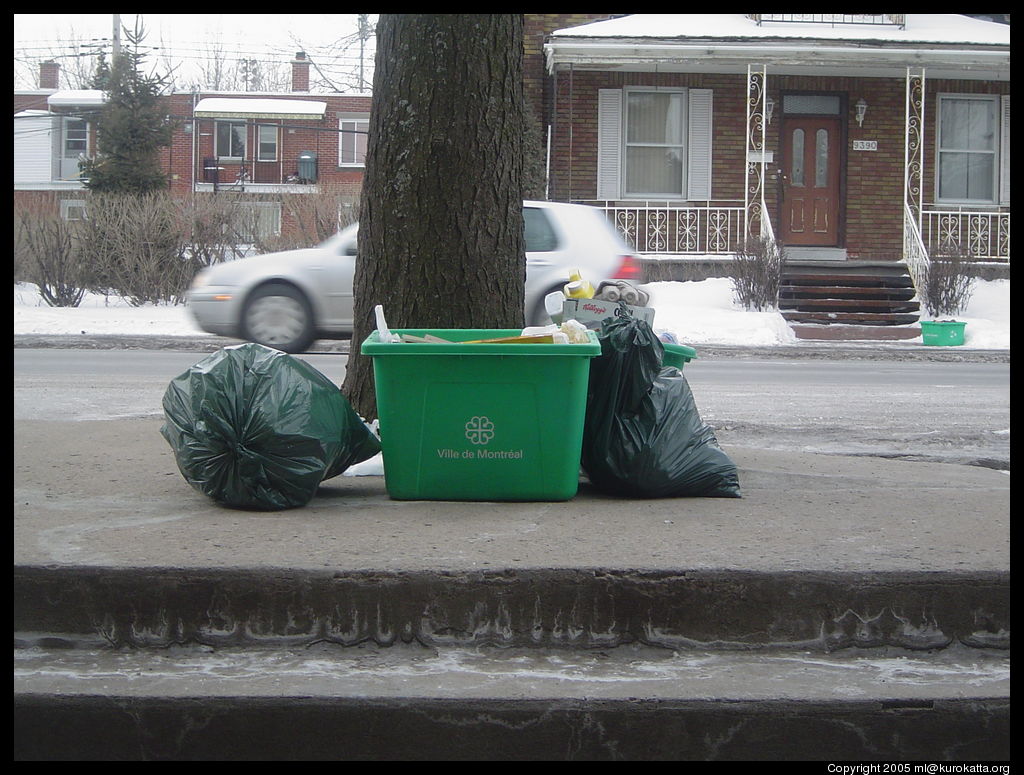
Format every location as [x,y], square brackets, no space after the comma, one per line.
[758,223]
[913,144]
[914,253]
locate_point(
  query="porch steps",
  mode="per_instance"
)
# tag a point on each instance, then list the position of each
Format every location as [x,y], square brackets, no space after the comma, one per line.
[849,300]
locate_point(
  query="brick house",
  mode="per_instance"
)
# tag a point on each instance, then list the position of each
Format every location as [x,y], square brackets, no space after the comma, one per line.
[261,147]
[852,139]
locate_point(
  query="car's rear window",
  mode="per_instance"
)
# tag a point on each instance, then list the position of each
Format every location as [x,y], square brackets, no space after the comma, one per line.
[538,233]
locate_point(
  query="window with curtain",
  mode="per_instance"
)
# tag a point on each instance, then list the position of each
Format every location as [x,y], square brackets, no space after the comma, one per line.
[655,143]
[267,143]
[352,142]
[968,142]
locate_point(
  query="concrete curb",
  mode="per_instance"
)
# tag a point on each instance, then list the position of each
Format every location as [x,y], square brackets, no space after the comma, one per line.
[888,351]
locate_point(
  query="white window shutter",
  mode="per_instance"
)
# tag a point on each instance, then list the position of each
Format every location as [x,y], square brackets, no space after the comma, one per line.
[609,143]
[698,157]
[1004,152]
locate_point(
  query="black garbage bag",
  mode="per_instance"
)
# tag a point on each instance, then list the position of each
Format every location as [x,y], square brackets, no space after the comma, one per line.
[643,436]
[255,428]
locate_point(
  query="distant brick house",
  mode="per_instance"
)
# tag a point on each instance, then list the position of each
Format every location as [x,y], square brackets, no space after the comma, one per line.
[262,147]
[871,137]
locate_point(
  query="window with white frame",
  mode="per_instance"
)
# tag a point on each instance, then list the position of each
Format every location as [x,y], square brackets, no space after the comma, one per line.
[654,144]
[258,220]
[76,138]
[73,209]
[229,140]
[971,141]
[266,145]
[352,141]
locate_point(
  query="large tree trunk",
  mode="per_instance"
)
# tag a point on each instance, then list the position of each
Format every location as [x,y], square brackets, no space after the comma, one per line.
[440,225]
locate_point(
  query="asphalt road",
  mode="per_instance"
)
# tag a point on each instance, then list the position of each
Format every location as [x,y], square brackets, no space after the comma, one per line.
[930,406]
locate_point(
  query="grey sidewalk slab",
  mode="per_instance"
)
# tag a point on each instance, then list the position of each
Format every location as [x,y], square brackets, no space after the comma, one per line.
[822,552]
[846,608]
[109,494]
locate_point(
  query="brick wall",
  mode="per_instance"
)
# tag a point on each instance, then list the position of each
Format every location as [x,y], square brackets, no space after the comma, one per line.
[871,223]
[574,142]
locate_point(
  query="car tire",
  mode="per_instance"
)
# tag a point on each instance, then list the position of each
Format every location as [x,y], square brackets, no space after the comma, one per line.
[279,316]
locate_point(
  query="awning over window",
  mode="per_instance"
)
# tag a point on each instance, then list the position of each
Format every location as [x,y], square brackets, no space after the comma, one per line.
[254,107]
[76,98]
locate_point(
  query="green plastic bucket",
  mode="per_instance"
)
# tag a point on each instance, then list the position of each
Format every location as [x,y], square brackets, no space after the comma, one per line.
[677,355]
[942,332]
[487,422]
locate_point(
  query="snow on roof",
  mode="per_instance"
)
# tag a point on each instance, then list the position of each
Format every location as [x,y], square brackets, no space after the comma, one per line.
[265,107]
[939,28]
[69,97]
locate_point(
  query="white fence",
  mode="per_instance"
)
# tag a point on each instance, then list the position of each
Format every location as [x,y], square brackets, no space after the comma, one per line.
[668,229]
[984,235]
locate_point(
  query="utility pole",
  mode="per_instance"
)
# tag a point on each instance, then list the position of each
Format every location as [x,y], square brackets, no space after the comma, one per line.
[363,34]
[116,37]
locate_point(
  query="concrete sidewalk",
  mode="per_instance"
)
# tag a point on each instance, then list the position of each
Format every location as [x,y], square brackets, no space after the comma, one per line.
[109,495]
[844,608]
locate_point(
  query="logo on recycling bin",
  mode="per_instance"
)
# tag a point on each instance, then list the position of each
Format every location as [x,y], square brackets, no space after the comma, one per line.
[479,430]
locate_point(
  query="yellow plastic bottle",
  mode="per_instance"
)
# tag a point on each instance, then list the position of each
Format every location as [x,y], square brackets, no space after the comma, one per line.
[577,287]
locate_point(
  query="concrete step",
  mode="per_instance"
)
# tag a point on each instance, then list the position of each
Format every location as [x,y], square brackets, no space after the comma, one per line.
[854,333]
[862,319]
[796,278]
[411,702]
[118,663]
[855,302]
[544,607]
[883,293]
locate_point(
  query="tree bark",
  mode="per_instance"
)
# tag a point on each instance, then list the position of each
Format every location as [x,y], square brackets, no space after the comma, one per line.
[441,230]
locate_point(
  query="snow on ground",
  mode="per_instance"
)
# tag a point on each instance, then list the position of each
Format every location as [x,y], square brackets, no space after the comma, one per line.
[697,313]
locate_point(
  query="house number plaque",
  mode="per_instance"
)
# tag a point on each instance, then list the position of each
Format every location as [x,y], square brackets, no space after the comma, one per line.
[865,145]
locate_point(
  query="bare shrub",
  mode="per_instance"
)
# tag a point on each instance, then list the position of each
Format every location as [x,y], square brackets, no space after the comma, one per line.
[757,274]
[948,282]
[309,219]
[210,230]
[49,255]
[135,244]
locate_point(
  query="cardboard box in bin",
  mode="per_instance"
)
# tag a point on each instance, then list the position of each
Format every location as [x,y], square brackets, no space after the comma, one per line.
[590,312]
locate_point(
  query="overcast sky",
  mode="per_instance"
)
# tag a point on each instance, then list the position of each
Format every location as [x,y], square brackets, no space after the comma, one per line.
[330,40]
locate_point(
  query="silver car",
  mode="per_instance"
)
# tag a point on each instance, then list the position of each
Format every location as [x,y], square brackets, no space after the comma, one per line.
[287,300]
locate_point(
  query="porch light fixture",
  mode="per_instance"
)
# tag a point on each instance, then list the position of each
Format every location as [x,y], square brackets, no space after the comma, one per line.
[769,109]
[862,108]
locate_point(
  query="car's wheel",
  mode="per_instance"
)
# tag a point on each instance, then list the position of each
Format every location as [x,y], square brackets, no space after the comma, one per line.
[279,316]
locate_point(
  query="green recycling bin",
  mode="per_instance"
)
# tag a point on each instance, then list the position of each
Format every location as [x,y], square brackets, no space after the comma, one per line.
[480,422]
[942,333]
[677,355]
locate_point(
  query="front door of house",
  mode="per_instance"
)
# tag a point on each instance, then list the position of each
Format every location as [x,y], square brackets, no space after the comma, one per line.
[810,172]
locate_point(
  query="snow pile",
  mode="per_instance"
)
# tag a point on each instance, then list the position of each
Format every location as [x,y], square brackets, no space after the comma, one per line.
[697,313]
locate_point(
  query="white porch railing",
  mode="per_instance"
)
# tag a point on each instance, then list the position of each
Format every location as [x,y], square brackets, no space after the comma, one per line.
[915,254]
[984,235]
[661,228]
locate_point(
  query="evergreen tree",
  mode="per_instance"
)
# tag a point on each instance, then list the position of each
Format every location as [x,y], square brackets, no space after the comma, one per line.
[132,126]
